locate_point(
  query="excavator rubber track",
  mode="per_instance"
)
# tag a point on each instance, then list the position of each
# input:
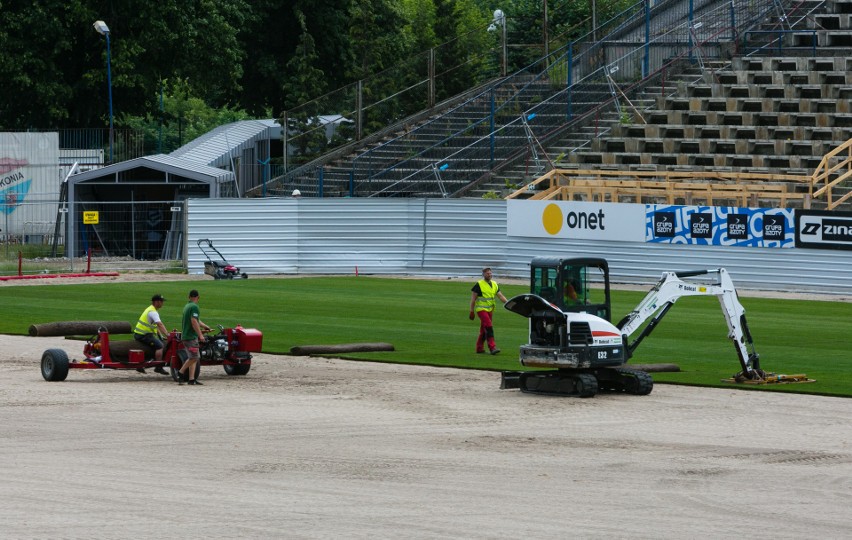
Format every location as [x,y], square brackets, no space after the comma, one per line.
[558,383]
[573,383]
[627,380]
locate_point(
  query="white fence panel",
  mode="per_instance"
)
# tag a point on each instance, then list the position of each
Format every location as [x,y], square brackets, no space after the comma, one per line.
[457,237]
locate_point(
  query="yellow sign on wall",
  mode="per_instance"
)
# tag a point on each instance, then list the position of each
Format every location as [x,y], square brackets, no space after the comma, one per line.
[90,218]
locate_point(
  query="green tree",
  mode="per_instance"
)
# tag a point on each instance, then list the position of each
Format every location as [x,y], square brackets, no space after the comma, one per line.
[462,29]
[184,117]
[419,30]
[305,82]
[376,36]
[54,63]
[37,63]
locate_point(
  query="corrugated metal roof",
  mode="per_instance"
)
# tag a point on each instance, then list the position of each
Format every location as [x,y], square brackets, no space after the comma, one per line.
[217,147]
[160,162]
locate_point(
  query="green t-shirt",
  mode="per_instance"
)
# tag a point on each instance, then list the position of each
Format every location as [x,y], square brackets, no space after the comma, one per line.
[190,311]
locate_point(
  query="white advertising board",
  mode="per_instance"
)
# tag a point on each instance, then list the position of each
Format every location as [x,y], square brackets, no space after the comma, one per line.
[576,219]
[29,177]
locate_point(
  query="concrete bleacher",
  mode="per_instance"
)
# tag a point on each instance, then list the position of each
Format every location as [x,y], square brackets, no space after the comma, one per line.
[764,114]
[779,109]
[768,113]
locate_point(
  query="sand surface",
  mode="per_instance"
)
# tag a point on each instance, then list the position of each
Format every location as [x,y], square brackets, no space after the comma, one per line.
[321,448]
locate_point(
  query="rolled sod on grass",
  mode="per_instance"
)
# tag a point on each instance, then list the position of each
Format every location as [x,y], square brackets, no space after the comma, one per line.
[304,350]
[76,328]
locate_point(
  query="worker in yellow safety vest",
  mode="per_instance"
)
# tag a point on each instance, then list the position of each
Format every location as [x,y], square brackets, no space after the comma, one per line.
[483,300]
[150,330]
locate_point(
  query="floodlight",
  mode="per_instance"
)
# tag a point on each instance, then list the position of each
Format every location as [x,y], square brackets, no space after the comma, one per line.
[101,27]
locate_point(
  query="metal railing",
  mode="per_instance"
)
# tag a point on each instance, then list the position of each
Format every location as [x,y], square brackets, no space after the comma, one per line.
[614,70]
[448,152]
[44,227]
[367,106]
[512,91]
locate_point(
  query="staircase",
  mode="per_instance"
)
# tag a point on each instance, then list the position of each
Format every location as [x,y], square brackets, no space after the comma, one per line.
[755,113]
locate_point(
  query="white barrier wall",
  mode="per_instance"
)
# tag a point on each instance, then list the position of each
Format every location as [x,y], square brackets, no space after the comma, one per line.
[457,237]
[29,183]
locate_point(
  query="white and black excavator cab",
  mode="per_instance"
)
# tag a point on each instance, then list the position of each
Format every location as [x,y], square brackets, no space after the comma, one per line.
[575,285]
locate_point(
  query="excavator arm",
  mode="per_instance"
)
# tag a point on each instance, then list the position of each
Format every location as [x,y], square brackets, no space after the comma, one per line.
[670,289]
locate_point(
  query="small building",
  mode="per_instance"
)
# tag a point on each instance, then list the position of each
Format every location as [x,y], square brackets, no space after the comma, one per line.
[138,204]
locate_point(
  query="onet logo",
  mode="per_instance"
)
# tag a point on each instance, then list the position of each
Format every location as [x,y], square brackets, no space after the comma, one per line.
[551,218]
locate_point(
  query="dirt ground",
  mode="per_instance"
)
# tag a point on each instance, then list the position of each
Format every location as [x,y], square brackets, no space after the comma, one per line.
[323,448]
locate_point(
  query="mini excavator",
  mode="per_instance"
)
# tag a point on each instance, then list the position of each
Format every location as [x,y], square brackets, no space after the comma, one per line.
[571,333]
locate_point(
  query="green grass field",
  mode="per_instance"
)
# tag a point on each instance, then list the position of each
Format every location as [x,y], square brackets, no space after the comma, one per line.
[427,322]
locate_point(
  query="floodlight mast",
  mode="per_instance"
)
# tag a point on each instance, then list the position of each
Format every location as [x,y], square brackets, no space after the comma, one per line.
[102,28]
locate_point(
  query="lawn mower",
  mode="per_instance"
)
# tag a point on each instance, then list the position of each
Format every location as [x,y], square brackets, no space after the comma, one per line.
[230,348]
[219,269]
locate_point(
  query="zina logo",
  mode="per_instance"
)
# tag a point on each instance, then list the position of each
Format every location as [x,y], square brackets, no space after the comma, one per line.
[810,228]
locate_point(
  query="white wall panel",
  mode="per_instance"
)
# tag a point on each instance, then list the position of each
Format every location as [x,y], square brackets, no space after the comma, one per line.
[457,237]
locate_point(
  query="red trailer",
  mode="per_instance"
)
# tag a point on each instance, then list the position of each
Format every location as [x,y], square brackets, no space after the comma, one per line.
[231,348]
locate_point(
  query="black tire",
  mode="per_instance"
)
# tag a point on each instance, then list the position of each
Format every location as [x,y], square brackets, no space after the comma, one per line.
[176,376]
[586,385]
[238,369]
[54,365]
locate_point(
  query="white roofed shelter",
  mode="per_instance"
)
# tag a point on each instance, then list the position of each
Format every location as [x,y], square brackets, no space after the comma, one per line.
[141,198]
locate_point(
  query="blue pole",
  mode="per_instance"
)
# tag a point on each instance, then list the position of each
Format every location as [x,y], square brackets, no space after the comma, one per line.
[691,22]
[734,25]
[264,175]
[162,112]
[646,64]
[569,79]
[491,128]
[109,84]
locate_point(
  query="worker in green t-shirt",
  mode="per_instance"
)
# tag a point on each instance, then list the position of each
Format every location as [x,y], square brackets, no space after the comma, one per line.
[192,332]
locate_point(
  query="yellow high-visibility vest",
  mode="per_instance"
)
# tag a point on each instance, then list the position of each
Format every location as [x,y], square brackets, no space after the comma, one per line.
[486,301]
[143,326]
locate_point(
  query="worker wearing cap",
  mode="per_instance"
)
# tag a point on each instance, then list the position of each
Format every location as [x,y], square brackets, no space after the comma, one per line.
[297,194]
[150,330]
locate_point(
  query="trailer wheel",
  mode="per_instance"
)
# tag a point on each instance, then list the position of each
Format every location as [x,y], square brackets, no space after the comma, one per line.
[236,369]
[54,365]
